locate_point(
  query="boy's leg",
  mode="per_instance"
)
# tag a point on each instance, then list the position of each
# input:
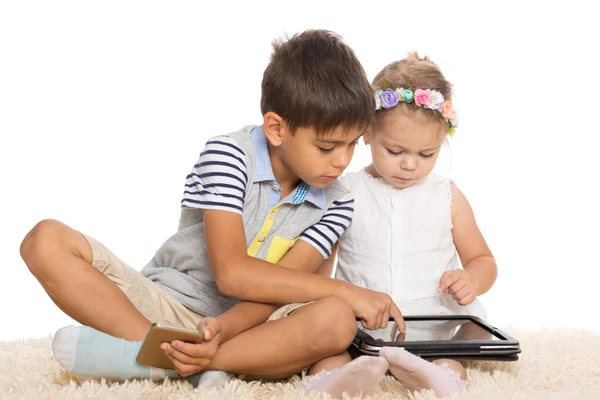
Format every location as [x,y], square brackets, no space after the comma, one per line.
[61,259]
[286,346]
[272,350]
[72,344]
[145,296]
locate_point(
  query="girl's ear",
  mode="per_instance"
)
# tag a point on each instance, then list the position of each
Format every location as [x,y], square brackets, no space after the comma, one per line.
[367,136]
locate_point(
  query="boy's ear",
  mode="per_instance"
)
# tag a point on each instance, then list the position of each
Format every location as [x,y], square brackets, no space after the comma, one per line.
[274,128]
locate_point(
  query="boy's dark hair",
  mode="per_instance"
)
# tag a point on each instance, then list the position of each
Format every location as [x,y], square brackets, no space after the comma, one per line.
[315,80]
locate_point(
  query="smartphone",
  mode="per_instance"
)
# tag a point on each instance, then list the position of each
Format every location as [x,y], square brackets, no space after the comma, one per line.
[151,354]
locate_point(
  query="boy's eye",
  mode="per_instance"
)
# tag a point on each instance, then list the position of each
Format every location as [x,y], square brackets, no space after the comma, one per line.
[427,155]
[393,153]
[355,143]
[325,150]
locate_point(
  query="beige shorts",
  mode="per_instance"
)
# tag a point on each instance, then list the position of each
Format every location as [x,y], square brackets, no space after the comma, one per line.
[148,297]
[285,311]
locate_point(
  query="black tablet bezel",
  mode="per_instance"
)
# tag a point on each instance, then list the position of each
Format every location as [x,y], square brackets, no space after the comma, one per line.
[505,349]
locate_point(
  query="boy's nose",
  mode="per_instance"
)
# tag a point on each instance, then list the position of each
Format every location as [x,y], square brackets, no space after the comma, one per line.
[342,160]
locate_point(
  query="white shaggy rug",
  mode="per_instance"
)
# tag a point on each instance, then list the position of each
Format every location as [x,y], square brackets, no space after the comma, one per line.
[555,364]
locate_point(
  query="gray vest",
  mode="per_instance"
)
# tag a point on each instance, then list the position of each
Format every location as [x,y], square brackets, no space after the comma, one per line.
[181,266]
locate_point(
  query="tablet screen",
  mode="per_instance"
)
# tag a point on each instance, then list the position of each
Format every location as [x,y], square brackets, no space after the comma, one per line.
[458,329]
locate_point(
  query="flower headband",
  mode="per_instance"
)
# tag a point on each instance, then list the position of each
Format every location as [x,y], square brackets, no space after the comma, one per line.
[390,96]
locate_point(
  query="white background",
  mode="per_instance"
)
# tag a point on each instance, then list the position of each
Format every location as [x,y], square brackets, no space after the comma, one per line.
[105,106]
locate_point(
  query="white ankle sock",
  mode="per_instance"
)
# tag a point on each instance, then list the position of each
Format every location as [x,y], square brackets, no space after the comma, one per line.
[359,376]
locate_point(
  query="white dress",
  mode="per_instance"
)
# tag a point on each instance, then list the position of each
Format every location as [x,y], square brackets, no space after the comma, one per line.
[400,242]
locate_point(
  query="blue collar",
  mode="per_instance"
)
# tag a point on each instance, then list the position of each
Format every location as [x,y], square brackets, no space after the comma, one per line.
[263,171]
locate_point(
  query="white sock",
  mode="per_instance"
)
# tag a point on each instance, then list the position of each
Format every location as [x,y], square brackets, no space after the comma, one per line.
[421,374]
[359,376]
[209,379]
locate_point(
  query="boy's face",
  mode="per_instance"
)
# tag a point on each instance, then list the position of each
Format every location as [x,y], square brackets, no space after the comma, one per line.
[315,158]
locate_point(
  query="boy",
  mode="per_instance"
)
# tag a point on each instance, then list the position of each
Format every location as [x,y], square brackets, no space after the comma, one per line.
[261,196]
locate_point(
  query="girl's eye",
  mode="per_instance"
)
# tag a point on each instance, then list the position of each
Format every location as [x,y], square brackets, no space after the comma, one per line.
[355,143]
[324,150]
[394,153]
[427,155]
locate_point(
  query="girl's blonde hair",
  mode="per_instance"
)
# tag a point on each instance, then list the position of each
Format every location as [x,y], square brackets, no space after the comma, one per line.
[412,72]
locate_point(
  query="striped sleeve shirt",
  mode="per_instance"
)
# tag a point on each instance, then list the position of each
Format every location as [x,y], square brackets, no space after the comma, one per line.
[325,233]
[219,179]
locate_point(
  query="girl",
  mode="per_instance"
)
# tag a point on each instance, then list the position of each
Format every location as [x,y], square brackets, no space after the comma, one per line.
[409,230]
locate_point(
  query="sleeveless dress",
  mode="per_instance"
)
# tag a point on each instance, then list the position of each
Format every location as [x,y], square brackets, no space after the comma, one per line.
[400,242]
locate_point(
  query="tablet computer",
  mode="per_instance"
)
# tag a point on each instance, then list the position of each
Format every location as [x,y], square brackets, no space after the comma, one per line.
[461,337]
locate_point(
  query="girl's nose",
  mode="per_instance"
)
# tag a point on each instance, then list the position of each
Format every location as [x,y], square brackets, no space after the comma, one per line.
[408,162]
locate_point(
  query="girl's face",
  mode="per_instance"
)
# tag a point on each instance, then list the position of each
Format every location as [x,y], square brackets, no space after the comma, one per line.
[405,148]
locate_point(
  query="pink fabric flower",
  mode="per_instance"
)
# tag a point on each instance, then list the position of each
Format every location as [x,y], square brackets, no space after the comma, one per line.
[422,97]
[447,110]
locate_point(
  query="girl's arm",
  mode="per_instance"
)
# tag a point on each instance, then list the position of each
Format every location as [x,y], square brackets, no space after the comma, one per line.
[474,253]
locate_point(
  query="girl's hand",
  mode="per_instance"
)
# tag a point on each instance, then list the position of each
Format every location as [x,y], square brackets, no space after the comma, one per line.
[460,284]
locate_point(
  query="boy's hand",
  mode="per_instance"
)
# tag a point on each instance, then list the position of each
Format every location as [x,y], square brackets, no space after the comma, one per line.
[460,284]
[374,308]
[190,358]
[401,337]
